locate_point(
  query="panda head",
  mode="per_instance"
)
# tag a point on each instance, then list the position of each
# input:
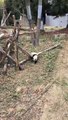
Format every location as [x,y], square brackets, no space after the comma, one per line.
[35,58]
[33,53]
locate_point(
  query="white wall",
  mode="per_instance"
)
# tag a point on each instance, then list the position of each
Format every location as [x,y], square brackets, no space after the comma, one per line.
[59,21]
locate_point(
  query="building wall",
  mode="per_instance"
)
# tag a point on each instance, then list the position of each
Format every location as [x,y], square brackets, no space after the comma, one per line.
[58,22]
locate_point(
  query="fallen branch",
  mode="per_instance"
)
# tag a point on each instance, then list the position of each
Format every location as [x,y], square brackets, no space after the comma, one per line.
[4,37]
[12,27]
[6,55]
[20,34]
[6,60]
[1,35]
[48,49]
[24,51]
[23,61]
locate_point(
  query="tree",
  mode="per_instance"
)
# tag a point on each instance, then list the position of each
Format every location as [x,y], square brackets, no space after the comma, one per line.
[59,8]
[38,21]
[1,8]
[3,22]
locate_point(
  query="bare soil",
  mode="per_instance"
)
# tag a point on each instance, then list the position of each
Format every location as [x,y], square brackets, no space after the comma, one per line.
[56,106]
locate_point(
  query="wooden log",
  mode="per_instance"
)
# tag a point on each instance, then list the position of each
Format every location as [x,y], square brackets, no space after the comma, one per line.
[16,56]
[6,60]
[21,63]
[17,26]
[20,34]
[4,56]
[23,51]
[24,61]
[3,52]
[12,27]
[5,67]
[48,49]
[4,37]
[1,35]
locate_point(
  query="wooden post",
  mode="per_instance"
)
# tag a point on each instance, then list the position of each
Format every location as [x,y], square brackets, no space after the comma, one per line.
[16,56]
[14,20]
[38,21]
[16,48]
[6,59]
[5,67]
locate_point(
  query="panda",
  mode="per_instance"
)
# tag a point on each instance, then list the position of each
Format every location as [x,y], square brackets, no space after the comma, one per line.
[34,57]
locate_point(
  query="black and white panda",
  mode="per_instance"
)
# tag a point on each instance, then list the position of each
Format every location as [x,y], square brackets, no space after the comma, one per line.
[34,57]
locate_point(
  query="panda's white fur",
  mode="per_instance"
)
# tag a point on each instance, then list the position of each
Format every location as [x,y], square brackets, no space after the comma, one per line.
[34,57]
[33,53]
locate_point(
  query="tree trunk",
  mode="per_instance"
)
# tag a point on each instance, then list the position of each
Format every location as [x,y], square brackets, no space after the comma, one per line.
[42,26]
[29,15]
[38,21]
[28,9]
[3,23]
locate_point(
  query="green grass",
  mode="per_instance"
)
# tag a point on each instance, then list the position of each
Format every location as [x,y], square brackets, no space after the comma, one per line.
[64,86]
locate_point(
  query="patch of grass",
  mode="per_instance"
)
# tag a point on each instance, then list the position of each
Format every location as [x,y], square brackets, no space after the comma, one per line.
[57,39]
[15,96]
[43,38]
[51,59]
[55,107]
[66,96]
[64,85]
[38,80]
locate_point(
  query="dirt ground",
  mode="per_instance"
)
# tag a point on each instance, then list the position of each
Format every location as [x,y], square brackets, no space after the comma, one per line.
[56,104]
[21,92]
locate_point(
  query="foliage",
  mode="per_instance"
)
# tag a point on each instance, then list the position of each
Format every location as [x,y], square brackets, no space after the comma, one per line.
[1,3]
[15,6]
[59,7]
[19,5]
